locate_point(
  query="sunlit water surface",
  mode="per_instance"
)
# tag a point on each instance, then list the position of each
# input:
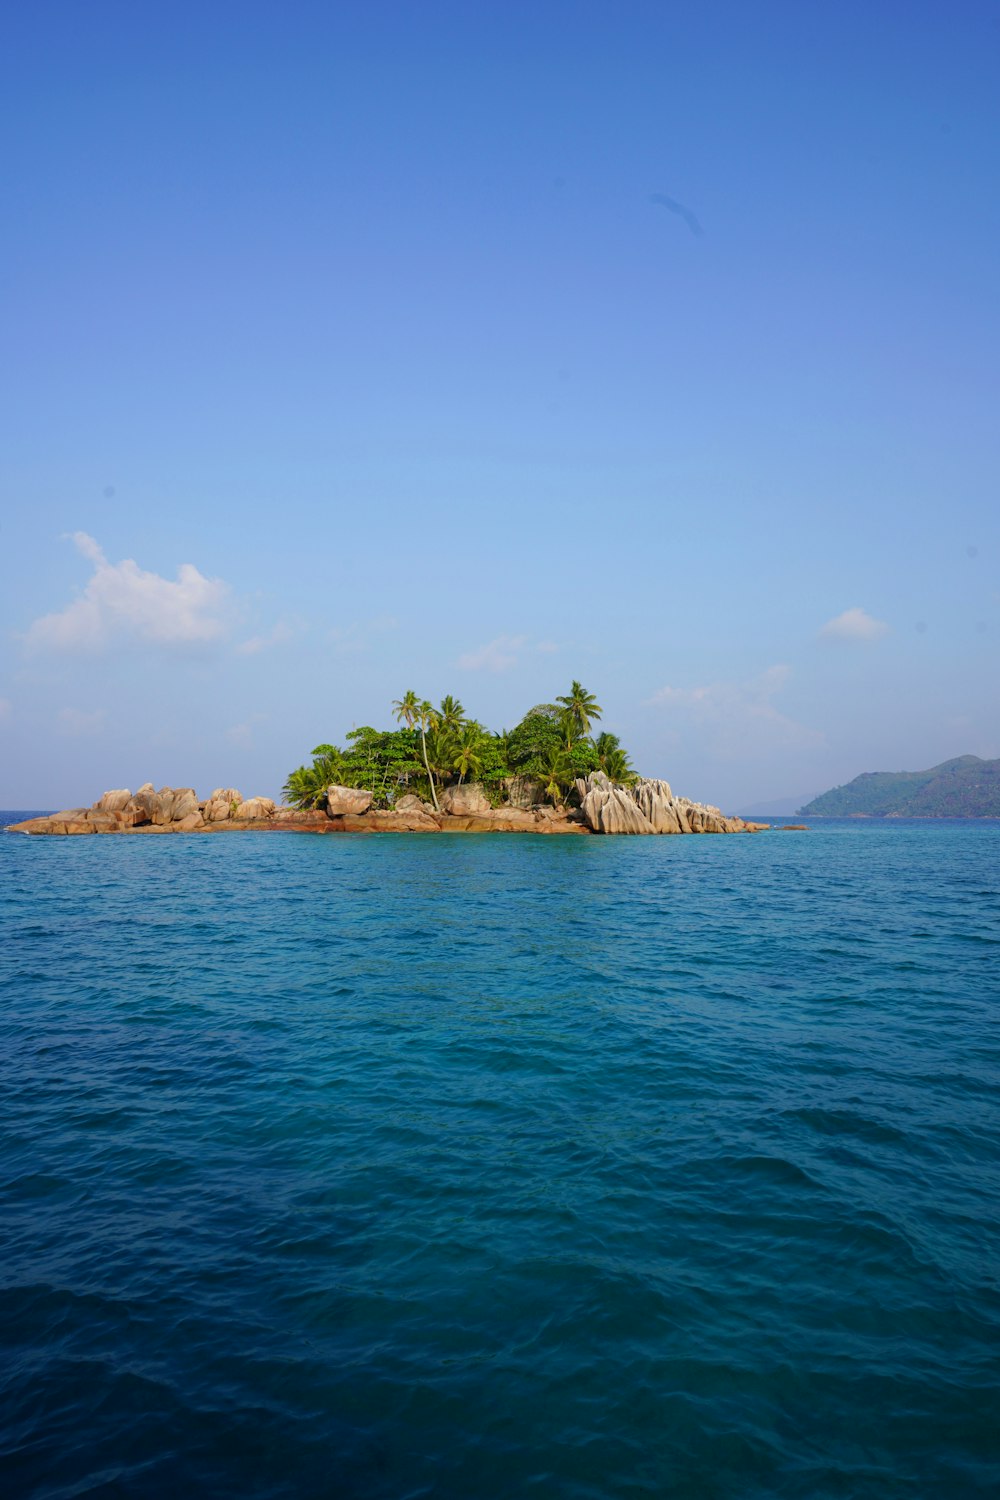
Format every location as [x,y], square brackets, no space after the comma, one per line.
[476,1167]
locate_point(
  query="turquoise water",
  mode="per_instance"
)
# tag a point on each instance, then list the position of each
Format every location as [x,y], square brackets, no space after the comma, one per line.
[493,1166]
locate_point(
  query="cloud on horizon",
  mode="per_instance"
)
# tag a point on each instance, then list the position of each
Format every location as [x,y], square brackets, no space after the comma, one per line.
[278,636]
[502,653]
[739,719]
[854,625]
[123,602]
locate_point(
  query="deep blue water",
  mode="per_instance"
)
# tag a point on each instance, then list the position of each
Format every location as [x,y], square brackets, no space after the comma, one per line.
[475,1167]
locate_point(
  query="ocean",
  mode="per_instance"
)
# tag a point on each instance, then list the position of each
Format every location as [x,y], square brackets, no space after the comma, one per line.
[474,1167]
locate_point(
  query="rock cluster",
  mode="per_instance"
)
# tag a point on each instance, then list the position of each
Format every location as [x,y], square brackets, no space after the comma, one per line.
[649,806]
[646,807]
[170,810]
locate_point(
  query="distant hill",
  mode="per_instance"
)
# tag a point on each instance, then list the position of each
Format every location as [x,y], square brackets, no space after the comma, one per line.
[964,788]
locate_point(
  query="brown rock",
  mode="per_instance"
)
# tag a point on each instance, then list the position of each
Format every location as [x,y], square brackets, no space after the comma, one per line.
[344,800]
[188,823]
[114,801]
[408,803]
[522,792]
[467,800]
[144,805]
[255,809]
[222,805]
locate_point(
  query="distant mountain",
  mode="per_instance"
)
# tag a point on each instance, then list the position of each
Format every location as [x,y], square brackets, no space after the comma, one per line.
[964,788]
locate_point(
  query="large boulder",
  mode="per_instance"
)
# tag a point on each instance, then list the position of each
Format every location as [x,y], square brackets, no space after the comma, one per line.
[176,804]
[222,805]
[255,809]
[144,805]
[465,801]
[114,801]
[522,792]
[346,801]
[408,803]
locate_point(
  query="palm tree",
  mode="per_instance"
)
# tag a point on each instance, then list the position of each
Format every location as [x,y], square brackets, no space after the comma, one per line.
[556,773]
[612,759]
[412,710]
[427,719]
[570,728]
[582,705]
[466,753]
[405,709]
[451,714]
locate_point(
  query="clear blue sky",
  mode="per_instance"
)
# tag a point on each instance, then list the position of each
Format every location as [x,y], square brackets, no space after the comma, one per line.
[473,348]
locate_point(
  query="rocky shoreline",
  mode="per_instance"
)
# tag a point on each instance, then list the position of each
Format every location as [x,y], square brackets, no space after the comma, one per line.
[646,807]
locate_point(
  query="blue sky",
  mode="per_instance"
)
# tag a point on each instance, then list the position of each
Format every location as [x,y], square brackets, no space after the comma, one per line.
[473,348]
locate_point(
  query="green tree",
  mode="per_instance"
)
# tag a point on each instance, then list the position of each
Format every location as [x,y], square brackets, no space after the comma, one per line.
[412,710]
[612,759]
[468,752]
[306,786]
[583,707]
[451,714]
[556,773]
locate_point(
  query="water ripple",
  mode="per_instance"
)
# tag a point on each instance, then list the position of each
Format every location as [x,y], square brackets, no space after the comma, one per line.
[487,1167]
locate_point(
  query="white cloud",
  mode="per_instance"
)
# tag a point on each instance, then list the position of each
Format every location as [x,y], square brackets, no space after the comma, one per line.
[739,719]
[76,722]
[498,655]
[281,633]
[243,734]
[346,640]
[501,654]
[853,625]
[123,602]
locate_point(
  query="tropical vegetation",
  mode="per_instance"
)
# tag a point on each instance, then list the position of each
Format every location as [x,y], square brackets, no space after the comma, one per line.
[434,748]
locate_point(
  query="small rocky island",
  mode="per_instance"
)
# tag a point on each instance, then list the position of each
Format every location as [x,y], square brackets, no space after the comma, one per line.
[599,806]
[440,772]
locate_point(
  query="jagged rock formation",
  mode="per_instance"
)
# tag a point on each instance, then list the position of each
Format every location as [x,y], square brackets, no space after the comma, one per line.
[649,806]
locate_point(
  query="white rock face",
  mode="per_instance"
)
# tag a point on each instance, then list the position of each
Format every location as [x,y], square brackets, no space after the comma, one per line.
[612,809]
[341,800]
[647,807]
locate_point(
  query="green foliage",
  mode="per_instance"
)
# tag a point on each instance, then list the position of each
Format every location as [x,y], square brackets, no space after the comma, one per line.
[550,745]
[582,708]
[613,760]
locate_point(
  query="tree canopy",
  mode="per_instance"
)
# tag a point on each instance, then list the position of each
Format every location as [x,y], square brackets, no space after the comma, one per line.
[437,747]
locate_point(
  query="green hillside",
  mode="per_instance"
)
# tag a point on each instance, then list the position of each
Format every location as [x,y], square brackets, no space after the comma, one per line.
[964,788]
